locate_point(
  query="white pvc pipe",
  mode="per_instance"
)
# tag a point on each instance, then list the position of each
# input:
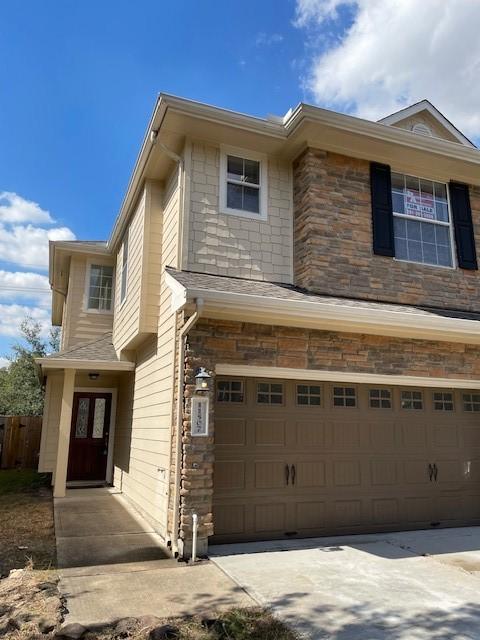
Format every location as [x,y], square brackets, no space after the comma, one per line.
[194,536]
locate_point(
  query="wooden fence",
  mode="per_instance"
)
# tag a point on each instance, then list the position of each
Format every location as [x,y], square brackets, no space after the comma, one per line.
[19,441]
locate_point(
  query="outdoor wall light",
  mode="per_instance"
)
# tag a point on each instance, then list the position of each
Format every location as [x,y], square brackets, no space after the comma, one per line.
[93,376]
[202,380]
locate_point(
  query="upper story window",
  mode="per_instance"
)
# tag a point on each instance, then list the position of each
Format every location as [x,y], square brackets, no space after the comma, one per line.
[124,271]
[422,221]
[243,184]
[100,288]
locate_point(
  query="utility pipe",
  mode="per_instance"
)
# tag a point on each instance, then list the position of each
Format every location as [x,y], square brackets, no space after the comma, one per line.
[194,537]
[179,419]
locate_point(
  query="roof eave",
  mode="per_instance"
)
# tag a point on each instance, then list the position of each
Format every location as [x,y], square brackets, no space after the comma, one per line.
[325,316]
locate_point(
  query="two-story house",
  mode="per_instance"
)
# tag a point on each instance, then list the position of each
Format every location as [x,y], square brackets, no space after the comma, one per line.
[322,270]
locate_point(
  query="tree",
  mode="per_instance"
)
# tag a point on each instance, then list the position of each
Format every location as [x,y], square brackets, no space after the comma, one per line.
[21,391]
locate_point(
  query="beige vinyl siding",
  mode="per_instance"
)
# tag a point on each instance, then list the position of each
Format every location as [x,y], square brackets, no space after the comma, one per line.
[80,325]
[137,315]
[127,313]
[225,244]
[142,454]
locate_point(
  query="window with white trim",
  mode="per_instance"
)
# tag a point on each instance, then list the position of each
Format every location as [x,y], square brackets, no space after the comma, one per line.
[443,401]
[100,288]
[124,272]
[412,400]
[308,395]
[421,221]
[230,391]
[344,397]
[243,184]
[471,402]
[380,398]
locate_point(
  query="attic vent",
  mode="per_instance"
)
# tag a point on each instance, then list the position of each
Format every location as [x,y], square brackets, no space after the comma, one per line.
[422,129]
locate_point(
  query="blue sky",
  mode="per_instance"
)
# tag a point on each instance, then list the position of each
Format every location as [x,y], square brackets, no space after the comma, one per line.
[78,81]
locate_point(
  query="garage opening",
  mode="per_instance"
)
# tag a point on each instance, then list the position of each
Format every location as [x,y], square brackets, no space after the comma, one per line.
[300,458]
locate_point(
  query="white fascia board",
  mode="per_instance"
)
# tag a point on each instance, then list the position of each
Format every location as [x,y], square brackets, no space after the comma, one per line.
[322,375]
[322,315]
[96,365]
[381,131]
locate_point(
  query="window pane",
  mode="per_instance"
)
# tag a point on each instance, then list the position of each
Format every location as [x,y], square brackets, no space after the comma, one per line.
[398,202]
[98,418]
[252,171]
[234,168]
[413,230]
[415,251]
[251,199]
[401,251]
[81,424]
[234,196]
[398,181]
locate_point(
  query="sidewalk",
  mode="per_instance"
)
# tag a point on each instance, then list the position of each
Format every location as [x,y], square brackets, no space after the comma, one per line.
[112,565]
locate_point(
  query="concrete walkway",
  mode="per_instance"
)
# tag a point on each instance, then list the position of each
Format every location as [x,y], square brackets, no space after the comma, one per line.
[113,565]
[421,585]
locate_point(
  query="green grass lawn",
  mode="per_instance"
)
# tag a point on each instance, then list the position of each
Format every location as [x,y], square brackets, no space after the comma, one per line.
[22,480]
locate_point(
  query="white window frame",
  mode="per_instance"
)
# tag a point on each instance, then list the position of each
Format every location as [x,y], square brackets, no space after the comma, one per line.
[263,182]
[86,296]
[448,224]
[124,268]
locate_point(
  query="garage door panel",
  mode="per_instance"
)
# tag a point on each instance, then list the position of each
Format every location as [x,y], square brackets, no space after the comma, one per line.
[357,468]
[347,513]
[229,475]
[270,517]
[386,511]
[270,432]
[270,474]
[229,519]
[310,433]
[347,473]
[382,436]
[230,432]
[346,435]
[384,473]
[413,435]
[311,515]
[310,474]
[445,435]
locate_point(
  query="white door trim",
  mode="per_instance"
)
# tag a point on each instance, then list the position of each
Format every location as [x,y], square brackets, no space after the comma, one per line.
[111,431]
[343,376]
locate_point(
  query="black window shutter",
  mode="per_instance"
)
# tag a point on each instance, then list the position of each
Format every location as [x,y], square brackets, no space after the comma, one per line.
[382,215]
[462,222]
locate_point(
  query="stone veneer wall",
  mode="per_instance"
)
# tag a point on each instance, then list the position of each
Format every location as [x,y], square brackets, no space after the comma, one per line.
[333,245]
[217,341]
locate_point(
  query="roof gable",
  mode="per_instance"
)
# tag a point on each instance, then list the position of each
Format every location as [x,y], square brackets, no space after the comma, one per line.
[423,118]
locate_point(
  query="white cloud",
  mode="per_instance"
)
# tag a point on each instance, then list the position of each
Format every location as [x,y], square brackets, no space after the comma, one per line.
[18,285]
[11,316]
[4,362]
[396,53]
[15,209]
[27,245]
[268,38]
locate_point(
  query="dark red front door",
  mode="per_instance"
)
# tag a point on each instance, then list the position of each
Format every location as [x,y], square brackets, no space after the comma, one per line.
[87,458]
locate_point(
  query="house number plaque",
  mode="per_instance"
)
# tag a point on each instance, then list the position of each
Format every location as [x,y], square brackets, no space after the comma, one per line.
[199,416]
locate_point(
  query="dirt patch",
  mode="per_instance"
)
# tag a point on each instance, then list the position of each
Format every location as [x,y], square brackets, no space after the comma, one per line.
[30,605]
[27,534]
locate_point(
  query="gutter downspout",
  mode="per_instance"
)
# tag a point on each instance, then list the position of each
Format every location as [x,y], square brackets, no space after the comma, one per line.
[179,419]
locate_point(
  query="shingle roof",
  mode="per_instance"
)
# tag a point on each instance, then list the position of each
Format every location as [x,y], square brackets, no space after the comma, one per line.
[101,350]
[208,282]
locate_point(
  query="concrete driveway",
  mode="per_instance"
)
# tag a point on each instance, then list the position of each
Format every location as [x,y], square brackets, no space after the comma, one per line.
[412,585]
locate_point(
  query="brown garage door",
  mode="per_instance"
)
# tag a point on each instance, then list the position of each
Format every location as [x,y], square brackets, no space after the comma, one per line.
[297,458]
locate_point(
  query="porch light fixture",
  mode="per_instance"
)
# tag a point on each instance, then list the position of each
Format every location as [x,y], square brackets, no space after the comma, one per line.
[202,380]
[93,376]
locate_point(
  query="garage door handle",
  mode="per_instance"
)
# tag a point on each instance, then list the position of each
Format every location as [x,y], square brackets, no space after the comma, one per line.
[287,473]
[294,473]
[430,471]
[435,471]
